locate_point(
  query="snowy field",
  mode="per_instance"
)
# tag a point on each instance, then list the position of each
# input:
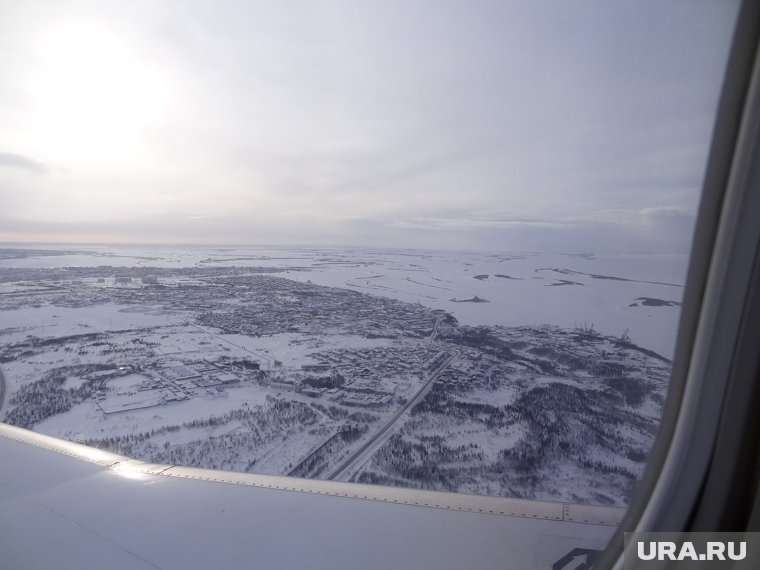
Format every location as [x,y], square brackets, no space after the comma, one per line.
[638,293]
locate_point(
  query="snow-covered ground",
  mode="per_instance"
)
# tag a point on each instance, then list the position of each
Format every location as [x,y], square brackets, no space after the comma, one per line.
[566,290]
[303,355]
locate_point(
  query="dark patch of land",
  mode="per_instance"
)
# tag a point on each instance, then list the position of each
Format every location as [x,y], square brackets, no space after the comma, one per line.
[562,282]
[608,277]
[652,302]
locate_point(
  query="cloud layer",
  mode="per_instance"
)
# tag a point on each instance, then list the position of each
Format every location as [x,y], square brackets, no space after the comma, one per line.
[491,124]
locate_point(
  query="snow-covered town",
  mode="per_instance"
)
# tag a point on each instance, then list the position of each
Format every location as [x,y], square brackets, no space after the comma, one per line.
[265,368]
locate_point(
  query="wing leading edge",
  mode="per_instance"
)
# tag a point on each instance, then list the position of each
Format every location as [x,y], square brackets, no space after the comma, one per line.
[67,504]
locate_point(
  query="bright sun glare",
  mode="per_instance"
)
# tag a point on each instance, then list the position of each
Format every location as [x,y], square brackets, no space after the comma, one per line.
[94,96]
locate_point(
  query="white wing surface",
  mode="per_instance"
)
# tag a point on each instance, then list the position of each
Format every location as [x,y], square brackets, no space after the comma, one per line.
[64,505]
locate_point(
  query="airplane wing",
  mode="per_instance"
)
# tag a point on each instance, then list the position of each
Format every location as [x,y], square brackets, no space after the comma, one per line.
[65,505]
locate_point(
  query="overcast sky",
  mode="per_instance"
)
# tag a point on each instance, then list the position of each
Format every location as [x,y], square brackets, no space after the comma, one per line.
[517,125]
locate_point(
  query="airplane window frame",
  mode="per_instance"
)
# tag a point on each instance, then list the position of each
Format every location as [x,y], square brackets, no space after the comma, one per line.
[690,473]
